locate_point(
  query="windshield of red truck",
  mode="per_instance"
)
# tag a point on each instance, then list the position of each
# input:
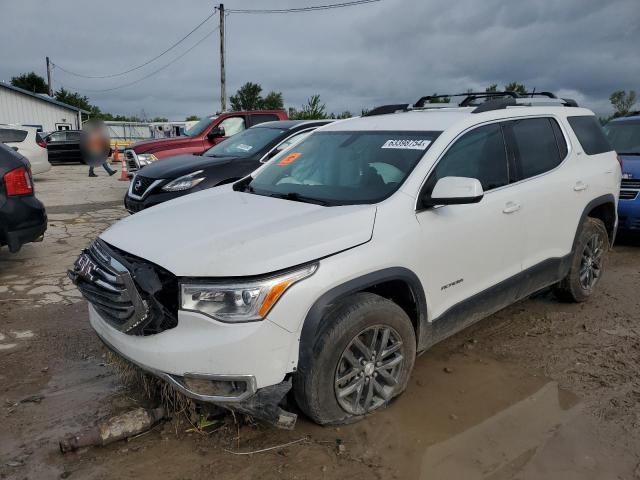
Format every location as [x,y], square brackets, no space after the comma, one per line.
[199,127]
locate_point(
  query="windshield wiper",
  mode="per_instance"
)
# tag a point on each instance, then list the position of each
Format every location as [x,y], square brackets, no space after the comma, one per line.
[628,154]
[296,197]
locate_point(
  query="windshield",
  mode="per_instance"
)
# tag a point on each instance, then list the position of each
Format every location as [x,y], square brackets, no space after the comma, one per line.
[624,136]
[199,127]
[246,143]
[337,168]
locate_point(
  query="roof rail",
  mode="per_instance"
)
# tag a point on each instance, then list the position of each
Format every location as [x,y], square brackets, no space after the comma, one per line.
[384,109]
[534,93]
[469,97]
[492,101]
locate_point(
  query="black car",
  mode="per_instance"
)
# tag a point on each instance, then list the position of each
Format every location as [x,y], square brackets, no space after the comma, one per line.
[226,162]
[22,216]
[64,146]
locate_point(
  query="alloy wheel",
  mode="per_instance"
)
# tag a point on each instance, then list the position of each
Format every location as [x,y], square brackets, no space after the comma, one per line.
[369,369]
[591,263]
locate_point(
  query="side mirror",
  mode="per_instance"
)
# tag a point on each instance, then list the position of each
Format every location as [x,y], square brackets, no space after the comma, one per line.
[215,133]
[454,191]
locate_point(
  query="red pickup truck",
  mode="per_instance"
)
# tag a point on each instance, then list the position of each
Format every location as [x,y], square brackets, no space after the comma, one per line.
[203,135]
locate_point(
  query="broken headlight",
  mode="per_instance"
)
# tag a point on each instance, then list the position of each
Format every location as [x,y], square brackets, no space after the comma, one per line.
[242,301]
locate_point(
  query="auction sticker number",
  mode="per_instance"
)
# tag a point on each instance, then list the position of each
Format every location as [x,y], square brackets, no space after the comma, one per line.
[407,144]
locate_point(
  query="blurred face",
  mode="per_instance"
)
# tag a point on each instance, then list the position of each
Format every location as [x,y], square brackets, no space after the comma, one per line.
[94,144]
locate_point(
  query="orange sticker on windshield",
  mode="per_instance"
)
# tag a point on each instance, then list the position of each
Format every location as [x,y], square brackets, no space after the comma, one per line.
[289,159]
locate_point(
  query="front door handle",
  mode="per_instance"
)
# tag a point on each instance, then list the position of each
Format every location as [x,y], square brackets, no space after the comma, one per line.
[511,207]
[580,186]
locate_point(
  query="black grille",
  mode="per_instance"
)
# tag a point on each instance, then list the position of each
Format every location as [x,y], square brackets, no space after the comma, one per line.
[132,161]
[140,185]
[628,194]
[631,183]
[131,294]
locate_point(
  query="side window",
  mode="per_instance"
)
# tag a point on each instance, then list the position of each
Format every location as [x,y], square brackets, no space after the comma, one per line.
[480,154]
[232,125]
[57,136]
[535,146]
[297,138]
[590,134]
[73,136]
[560,139]
[263,117]
[10,135]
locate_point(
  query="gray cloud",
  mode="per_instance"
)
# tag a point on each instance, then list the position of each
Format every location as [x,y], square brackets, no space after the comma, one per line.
[392,51]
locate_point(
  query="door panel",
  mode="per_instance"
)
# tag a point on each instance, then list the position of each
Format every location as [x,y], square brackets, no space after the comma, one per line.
[470,248]
[549,203]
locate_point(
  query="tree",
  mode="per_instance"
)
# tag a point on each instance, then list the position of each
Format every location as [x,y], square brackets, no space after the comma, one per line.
[192,118]
[273,101]
[622,102]
[312,110]
[30,81]
[247,97]
[74,99]
[439,99]
[491,88]
[516,87]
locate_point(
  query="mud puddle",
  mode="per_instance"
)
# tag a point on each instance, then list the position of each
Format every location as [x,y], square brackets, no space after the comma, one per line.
[464,415]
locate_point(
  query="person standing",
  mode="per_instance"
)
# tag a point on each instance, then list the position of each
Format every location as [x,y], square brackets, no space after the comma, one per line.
[95,147]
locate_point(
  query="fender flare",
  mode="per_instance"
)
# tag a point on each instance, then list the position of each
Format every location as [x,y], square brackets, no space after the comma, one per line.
[313,326]
[596,202]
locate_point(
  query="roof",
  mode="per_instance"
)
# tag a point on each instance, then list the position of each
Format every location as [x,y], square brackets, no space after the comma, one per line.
[42,97]
[630,119]
[441,119]
[289,124]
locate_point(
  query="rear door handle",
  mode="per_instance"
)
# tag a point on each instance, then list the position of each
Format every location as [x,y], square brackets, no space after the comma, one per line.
[580,186]
[511,207]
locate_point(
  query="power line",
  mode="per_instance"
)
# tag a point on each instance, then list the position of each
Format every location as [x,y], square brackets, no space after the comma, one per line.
[302,9]
[111,75]
[151,73]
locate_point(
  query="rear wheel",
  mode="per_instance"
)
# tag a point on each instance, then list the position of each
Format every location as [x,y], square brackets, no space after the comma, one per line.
[587,264]
[359,363]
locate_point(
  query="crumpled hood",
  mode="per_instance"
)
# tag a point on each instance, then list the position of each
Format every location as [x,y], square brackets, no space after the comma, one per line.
[223,233]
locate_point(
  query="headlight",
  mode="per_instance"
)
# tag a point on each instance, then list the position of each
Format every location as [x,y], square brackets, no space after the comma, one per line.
[242,301]
[146,159]
[185,182]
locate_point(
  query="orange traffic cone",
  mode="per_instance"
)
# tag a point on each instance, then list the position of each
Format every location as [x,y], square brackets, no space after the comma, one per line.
[116,154]
[124,175]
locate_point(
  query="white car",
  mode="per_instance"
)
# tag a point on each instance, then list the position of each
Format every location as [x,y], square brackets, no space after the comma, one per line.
[27,142]
[333,264]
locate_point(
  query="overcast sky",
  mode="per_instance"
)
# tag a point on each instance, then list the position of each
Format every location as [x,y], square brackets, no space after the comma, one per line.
[355,57]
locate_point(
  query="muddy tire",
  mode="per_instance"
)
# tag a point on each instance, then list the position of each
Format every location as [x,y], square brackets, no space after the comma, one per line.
[587,264]
[360,362]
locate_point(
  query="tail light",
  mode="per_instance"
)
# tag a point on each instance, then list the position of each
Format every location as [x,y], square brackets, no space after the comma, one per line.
[41,142]
[18,182]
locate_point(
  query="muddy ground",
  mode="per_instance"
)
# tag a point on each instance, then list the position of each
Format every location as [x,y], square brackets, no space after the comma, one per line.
[541,390]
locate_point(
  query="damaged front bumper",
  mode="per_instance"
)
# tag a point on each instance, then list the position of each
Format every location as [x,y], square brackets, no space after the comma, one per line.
[235,392]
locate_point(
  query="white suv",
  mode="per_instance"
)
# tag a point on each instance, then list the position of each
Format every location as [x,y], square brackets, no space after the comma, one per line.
[28,143]
[333,264]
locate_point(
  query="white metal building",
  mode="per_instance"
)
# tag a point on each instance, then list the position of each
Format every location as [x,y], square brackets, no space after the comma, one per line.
[18,106]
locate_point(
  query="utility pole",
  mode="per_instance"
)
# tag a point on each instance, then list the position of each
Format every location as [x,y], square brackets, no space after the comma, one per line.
[49,87]
[223,94]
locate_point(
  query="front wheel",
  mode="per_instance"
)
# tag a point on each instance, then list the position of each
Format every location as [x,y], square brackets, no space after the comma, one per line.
[587,263]
[359,363]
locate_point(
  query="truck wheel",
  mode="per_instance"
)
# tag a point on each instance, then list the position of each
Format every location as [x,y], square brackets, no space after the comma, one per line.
[587,263]
[359,363]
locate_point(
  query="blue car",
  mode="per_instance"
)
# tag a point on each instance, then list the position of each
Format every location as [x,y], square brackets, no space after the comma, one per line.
[624,135]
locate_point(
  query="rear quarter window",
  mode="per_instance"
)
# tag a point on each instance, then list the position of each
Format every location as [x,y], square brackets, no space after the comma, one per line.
[590,134]
[10,135]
